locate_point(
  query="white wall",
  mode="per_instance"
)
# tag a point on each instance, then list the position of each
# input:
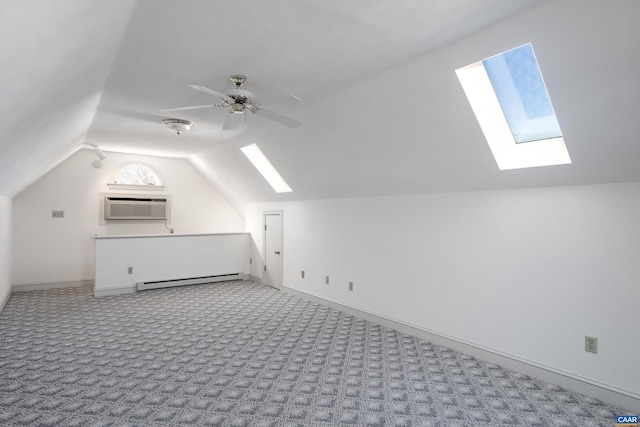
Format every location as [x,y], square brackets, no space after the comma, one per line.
[5,249]
[167,257]
[527,273]
[47,249]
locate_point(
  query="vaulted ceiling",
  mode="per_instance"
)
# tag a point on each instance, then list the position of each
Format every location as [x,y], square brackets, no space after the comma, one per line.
[383,111]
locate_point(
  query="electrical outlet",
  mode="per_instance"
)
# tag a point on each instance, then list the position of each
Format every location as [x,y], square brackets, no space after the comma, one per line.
[326,280]
[57,214]
[351,286]
[129,270]
[302,274]
[590,344]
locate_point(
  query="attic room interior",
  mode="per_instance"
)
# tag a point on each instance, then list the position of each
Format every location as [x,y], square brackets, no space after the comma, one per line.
[402,271]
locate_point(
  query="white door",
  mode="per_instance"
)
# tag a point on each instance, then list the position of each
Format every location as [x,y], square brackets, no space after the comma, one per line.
[273,249]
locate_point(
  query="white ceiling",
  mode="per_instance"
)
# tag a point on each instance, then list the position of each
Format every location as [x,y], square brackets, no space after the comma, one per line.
[383,112]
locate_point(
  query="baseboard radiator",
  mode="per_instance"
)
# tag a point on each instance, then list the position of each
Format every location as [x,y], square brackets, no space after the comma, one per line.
[143,286]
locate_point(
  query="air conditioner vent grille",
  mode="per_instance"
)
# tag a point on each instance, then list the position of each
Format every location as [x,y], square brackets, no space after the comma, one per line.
[134,208]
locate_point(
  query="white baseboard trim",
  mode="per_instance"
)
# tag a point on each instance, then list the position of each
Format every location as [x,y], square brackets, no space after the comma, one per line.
[26,287]
[4,301]
[115,291]
[607,393]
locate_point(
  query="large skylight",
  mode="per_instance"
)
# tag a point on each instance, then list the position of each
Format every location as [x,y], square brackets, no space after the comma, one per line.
[266,169]
[510,101]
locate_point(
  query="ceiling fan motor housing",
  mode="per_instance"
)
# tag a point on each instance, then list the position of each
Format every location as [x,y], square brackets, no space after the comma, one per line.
[242,99]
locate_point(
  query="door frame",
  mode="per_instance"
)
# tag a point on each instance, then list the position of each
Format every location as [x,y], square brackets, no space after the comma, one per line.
[264,243]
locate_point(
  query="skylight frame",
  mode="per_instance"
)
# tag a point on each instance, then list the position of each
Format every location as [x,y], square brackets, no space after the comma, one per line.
[508,153]
[266,169]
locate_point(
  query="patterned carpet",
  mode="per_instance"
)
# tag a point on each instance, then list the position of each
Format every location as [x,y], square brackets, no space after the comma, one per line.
[242,354]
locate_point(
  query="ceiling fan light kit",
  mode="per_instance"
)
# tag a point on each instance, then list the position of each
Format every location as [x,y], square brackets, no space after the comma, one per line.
[237,80]
[239,101]
[178,125]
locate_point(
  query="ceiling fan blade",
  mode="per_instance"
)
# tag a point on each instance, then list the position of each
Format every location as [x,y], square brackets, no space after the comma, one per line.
[188,108]
[233,121]
[278,100]
[287,121]
[209,91]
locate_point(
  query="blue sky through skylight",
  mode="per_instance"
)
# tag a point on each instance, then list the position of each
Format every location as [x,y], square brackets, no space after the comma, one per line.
[518,84]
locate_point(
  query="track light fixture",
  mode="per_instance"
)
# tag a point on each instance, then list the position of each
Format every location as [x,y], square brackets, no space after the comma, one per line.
[99,153]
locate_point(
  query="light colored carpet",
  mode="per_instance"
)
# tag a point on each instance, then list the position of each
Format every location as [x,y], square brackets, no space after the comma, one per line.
[242,354]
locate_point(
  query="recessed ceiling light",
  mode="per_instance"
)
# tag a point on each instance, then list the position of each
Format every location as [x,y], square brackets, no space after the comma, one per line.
[266,169]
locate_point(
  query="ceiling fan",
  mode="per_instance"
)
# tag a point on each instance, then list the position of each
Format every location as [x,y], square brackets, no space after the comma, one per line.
[239,101]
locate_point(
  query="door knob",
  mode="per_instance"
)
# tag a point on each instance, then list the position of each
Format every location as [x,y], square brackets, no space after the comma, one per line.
[277,252]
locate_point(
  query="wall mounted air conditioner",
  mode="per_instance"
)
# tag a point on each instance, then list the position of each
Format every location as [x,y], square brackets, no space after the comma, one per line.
[135,208]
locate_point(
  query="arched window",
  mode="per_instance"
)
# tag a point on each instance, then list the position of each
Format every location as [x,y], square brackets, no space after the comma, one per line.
[136,174]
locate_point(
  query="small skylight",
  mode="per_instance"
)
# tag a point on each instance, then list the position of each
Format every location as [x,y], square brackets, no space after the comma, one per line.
[266,169]
[510,101]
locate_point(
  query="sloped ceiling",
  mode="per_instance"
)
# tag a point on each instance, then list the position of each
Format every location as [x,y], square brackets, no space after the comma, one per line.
[383,112]
[54,60]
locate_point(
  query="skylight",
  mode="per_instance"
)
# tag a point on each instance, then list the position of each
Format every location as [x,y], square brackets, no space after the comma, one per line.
[510,101]
[266,169]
